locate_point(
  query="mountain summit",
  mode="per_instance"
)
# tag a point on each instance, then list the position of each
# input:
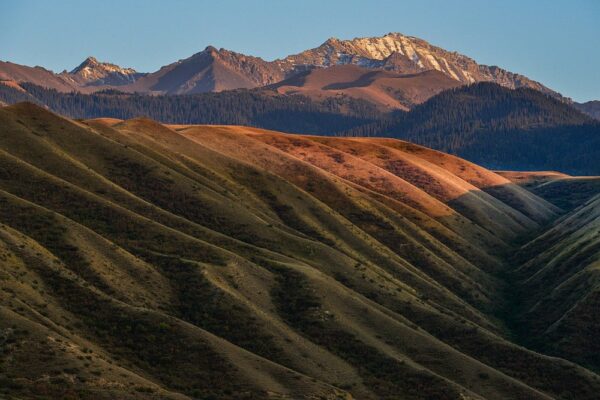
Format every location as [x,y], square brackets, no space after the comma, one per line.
[407,55]
[210,70]
[92,72]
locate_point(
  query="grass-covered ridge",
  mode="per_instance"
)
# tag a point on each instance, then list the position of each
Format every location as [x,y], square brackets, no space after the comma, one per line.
[140,260]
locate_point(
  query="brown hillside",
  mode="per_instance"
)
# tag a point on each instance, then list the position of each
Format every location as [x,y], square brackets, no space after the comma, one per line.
[140,261]
[383,88]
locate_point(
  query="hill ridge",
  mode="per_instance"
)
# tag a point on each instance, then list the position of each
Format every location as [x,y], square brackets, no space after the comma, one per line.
[148,261]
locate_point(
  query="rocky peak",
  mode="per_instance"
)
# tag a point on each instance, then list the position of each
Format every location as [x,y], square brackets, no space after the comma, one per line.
[93,72]
[90,61]
[212,50]
[87,64]
[405,55]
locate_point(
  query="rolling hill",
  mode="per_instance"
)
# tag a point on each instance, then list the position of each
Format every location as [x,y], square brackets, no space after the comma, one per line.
[565,191]
[490,125]
[143,260]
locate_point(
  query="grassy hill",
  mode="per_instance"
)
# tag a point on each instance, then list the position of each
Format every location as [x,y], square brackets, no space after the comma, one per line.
[490,125]
[141,260]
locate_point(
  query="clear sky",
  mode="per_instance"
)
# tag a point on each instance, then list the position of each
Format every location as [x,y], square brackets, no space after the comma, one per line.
[554,42]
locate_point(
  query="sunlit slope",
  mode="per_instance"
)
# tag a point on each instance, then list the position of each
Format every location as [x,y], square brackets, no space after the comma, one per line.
[493,183]
[220,262]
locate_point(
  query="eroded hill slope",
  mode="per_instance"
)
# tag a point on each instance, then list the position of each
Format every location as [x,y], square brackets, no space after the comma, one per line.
[146,261]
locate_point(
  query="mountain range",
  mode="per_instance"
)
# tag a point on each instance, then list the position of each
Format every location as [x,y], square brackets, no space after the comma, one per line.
[390,86]
[394,71]
[141,260]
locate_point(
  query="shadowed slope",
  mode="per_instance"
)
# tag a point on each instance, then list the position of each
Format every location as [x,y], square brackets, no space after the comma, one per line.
[560,285]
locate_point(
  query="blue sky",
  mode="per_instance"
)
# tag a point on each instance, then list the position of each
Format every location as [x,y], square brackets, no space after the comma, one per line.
[554,42]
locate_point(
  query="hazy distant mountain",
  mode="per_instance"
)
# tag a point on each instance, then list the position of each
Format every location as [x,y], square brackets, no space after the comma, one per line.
[591,108]
[213,70]
[217,70]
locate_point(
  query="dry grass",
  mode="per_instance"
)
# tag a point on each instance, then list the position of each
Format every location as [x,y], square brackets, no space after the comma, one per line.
[147,261]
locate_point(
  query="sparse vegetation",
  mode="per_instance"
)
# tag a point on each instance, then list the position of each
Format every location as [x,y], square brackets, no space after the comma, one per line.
[140,262]
[483,122]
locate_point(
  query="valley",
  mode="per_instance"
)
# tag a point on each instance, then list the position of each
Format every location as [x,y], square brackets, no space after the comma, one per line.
[180,261]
